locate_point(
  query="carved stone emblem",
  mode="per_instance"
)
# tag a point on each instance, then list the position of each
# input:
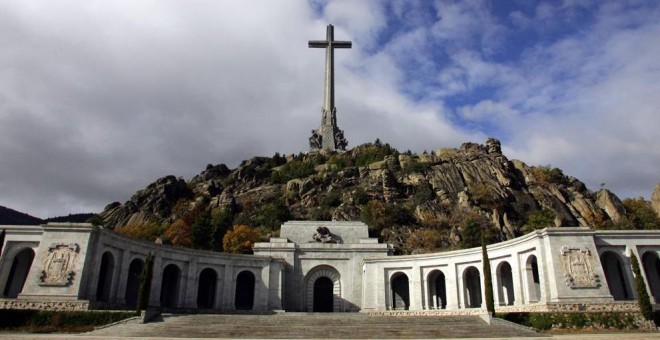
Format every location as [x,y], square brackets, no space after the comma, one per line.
[58,266]
[324,235]
[578,268]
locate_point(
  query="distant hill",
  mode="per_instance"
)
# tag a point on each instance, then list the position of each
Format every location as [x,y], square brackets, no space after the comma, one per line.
[13,217]
[73,218]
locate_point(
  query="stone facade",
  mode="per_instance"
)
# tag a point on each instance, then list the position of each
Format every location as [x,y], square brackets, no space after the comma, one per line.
[326,266]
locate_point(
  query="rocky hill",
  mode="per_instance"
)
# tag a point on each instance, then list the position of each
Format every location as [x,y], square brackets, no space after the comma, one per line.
[418,202]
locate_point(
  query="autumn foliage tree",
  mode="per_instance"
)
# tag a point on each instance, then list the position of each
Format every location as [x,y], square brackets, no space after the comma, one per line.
[240,239]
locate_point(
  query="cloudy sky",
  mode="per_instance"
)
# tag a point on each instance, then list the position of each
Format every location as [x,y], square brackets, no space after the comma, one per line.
[100,98]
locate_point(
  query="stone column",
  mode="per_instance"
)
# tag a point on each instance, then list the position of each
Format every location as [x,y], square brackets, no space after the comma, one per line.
[219,289]
[191,287]
[415,289]
[227,293]
[156,281]
[452,287]
[116,273]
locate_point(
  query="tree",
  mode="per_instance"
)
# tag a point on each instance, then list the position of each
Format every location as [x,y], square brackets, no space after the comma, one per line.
[221,219]
[179,233]
[640,214]
[145,283]
[643,298]
[201,231]
[488,279]
[240,239]
[539,220]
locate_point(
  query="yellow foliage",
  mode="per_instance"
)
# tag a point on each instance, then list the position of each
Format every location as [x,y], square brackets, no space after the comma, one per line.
[240,239]
[179,233]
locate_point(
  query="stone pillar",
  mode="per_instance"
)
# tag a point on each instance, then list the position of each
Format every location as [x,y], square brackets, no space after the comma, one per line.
[156,281]
[191,284]
[116,273]
[227,292]
[123,277]
[415,288]
[516,275]
[219,289]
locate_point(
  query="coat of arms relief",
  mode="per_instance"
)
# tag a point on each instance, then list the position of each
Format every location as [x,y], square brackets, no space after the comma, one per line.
[578,268]
[58,265]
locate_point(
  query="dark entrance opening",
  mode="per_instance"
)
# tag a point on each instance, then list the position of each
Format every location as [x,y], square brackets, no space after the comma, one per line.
[400,292]
[615,276]
[206,290]
[18,273]
[244,291]
[105,277]
[651,265]
[473,288]
[323,296]
[169,291]
[133,282]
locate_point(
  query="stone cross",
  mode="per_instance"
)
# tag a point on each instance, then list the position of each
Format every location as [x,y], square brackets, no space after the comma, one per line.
[328,136]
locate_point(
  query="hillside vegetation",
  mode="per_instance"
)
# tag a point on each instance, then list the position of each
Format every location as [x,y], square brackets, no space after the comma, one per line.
[417,202]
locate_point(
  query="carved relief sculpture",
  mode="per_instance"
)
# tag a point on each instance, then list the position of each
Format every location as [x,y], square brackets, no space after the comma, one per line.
[324,235]
[58,266]
[578,268]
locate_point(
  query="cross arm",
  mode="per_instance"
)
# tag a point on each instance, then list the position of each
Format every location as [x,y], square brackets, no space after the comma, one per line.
[318,43]
[341,44]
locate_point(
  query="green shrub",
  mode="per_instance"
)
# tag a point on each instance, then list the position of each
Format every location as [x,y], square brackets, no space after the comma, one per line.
[57,321]
[643,298]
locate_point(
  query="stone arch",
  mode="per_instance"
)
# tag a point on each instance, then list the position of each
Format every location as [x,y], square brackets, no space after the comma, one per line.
[400,291]
[651,265]
[532,279]
[20,268]
[208,279]
[133,281]
[505,284]
[245,284]
[169,287]
[324,295]
[472,284]
[437,290]
[104,284]
[615,275]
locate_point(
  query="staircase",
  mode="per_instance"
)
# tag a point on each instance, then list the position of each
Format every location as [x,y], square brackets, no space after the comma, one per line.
[314,325]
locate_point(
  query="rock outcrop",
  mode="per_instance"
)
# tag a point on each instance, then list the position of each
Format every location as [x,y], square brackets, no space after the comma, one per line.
[419,191]
[655,199]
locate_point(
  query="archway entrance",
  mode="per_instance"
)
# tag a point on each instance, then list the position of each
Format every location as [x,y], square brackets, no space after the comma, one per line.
[651,265]
[244,291]
[615,276]
[133,282]
[206,289]
[437,290]
[472,282]
[400,292]
[323,301]
[323,290]
[20,267]
[169,288]
[505,284]
[105,277]
[532,279]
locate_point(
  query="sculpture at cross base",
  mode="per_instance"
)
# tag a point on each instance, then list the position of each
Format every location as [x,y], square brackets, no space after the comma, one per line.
[328,136]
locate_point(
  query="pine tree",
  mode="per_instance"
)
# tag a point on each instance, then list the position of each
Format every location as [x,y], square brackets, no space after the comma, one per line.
[488,279]
[642,295]
[145,283]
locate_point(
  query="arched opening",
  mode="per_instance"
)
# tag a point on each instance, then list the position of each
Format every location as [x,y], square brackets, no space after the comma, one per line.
[206,288]
[323,290]
[472,282]
[323,297]
[505,284]
[169,287]
[400,292]
[105,277]
[533,280]
[133,282]
[20,267]
[437,291]
[651,265]
[615,276]
[244,291]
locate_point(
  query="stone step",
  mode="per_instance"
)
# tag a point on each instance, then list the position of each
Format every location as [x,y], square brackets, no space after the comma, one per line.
[314,325]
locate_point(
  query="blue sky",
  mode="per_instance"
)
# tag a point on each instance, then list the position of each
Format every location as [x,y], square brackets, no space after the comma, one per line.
[99,99]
